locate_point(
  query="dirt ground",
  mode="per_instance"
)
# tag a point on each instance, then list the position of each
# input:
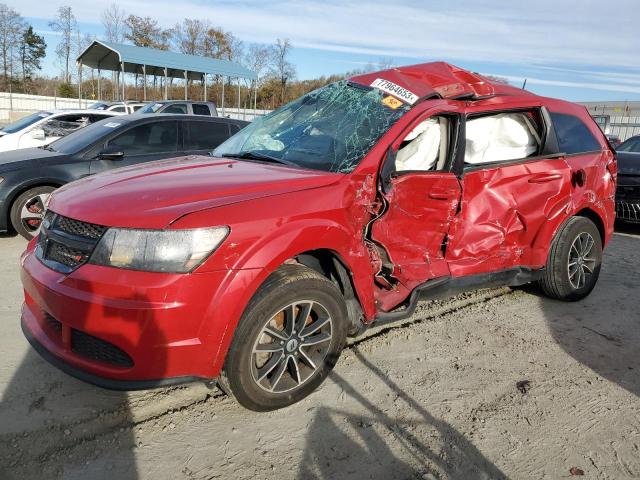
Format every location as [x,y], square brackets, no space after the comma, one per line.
[434,397]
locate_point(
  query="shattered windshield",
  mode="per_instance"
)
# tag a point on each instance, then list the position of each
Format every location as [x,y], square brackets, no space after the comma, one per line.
[329,129]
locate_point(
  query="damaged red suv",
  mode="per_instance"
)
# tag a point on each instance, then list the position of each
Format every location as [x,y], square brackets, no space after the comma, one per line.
[338,211]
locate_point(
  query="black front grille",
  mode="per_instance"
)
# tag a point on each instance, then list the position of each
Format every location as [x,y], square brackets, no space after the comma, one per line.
[64,243]
[83,229]
[628,210]
[98,350]
[66,256]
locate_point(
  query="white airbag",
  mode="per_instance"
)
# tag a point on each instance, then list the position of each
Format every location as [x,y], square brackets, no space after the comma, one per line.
[422,151]
[506,136]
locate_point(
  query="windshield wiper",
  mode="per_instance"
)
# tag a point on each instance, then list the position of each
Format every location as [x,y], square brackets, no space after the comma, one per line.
[257,156]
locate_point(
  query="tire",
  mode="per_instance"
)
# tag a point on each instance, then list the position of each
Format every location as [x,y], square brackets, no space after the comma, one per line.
[562,281]
[283,297]
[28,209]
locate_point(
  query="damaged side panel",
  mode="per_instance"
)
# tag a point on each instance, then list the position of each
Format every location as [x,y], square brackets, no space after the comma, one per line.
[502,211]
[411,232]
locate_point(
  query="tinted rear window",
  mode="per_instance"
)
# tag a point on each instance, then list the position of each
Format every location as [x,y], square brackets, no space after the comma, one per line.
[200,109]
[205,135]
[573,135]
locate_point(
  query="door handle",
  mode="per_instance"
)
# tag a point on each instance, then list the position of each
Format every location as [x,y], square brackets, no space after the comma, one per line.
[442,194]
[545,177]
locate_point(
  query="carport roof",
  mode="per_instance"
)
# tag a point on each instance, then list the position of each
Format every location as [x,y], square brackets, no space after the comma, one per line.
[112,56]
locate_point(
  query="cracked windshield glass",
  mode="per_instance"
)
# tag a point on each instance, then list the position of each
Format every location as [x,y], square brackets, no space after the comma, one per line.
[329,129]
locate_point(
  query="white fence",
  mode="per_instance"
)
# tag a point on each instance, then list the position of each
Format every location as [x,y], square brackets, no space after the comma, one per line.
[16,105]
[624,127]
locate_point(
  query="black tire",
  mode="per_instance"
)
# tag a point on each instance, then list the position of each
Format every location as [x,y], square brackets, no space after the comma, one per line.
[559,279]
[32,199]
[286,286]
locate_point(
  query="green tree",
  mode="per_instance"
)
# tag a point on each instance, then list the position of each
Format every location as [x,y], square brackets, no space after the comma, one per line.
[33,49]
[65,90]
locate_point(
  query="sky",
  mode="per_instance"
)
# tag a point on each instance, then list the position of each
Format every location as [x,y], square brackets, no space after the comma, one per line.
[577,50]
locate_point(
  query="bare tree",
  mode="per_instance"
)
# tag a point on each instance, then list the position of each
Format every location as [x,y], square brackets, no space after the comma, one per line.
[113,18]
[257,58]
[11,27]
[281,67]
[189,36]
[65,24]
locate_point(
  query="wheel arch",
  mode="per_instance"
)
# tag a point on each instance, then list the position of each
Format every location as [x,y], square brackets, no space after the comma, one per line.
[596,219]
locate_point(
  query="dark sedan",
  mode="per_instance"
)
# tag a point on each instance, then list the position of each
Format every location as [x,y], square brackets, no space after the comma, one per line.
[631,144]
[28,176]
[628,190]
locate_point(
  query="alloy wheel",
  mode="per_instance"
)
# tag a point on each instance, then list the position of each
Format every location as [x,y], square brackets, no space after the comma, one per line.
[581,262]
[291,346]
[32,212]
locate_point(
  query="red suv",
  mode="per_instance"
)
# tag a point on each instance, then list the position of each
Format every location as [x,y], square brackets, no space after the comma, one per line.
[338,211]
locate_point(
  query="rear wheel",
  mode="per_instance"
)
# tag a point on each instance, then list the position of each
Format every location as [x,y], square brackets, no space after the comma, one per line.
[287,341]
[28,209]
[574,262]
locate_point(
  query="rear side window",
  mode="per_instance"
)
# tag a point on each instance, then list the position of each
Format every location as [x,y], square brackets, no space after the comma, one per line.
[201,109]
[501,137]
[205,135]
[120,109]
[176,108]
[573,135]
[149,138]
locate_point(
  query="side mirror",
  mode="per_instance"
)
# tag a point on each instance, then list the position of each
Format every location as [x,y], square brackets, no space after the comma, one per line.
[38,134]
[111,153]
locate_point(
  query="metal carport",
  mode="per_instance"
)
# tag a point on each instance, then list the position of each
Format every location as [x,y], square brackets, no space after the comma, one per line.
[144,61]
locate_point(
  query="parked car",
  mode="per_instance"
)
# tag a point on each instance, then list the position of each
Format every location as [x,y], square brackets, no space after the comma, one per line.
[185,107]
[631,144]
[333,213]
[28,176]
[43,127]
[628,191]
[614,140]
[127,107]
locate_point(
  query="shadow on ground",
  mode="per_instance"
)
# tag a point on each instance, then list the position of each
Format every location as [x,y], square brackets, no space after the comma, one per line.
[442,453]
[602,331]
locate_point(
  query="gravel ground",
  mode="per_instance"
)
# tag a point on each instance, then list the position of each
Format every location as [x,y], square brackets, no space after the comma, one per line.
[493,384]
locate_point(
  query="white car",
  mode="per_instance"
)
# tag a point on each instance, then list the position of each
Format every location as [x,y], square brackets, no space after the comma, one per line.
[44,127]
[120,107]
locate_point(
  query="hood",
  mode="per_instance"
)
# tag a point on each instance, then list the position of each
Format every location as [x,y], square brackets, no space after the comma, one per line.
[155,194]
[14,159]
[628,163]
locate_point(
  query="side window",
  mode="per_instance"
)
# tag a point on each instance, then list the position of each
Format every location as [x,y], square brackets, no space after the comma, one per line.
[119,109]
[631,145]
[502,137]
[157,137]
[234,128]
[425,147]
[64,124]
[201,109]
[137,107]
[206,135]
[573,135]
[176,108]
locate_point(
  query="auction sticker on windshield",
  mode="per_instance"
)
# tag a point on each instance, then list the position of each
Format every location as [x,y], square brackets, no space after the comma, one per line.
[395,90]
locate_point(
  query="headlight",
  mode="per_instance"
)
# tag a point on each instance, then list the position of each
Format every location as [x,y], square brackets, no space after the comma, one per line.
[178,251]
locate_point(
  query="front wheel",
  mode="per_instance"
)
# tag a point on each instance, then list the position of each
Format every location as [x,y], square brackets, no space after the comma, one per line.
[574,262]
[287,341]
[28,209]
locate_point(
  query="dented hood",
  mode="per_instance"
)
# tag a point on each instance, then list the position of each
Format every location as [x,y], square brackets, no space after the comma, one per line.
[153,195]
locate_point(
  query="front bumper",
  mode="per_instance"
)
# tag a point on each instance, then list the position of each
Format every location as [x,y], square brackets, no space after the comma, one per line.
[119,328]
